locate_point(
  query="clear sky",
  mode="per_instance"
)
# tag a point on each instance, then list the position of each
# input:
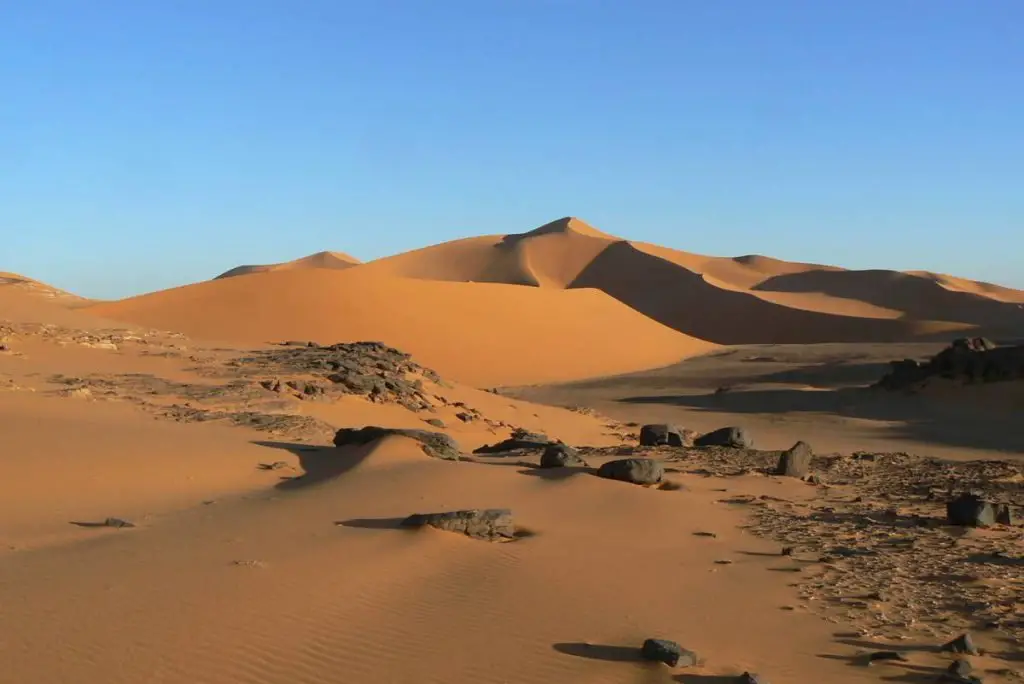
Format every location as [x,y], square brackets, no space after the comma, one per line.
[150,143]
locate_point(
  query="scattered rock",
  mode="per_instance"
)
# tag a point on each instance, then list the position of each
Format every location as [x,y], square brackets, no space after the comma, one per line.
[489,524]
[733,437]
[668,652]
[561,456]
[660,434]
[796,462]
[436,422]
[435,444]
[962,644]
[970,510]
[966,360]
[641,471]
[276,465]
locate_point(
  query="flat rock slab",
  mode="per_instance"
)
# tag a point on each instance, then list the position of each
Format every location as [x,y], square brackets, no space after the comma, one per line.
[435,444]
[520,439]
[490,524]
[641,471]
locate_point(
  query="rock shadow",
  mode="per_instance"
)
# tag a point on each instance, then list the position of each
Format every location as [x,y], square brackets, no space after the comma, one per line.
[319,463]
[605,652]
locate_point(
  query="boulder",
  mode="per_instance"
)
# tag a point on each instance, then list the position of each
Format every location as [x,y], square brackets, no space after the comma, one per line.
[962,644]
[491,524]
[970,510]
[668,652]
[435,444]
[750,678]
[561,456]
[641,471]
[796,461]
[661,434]
[734,437]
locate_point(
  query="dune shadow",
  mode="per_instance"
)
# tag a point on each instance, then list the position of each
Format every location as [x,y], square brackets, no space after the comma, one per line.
[373,523]
[615,654]
[915,417]
[319,463]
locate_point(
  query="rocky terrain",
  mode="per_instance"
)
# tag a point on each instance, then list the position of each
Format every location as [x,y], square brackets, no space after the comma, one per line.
[967,360]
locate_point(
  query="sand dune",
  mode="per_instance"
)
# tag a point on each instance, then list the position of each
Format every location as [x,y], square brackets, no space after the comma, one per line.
[749,299]
[319,260]
[481,334]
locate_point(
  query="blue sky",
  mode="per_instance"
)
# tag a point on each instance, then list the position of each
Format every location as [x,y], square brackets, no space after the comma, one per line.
[150,143]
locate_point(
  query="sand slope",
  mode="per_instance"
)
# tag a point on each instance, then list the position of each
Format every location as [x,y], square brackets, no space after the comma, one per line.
[318,260]
[481,334]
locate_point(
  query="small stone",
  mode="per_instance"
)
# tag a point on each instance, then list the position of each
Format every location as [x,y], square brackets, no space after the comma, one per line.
[490,524]
[668,652]
[117,523]
[436,422]
[796,461]
[641,471]
[962,644]
[561,456]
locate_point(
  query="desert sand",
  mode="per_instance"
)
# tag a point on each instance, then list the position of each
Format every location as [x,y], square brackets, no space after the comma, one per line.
[175,509]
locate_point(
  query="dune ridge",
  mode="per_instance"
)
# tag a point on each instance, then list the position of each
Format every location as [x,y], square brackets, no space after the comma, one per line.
[319,260]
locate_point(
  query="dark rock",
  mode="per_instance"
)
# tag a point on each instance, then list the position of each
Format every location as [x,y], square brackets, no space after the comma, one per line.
[962,644]
[561,456]
[435,444]
[970,510]
[436,422]
[960,668]
[642,471]
[490,524]
[966,360]
[4,347]
[668,652]
[520,439]
[465,417]
[750,678]
[660,434]
[796,462]
[735,437]
[117,523]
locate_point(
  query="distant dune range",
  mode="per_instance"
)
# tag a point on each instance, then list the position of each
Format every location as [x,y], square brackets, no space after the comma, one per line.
[567,301]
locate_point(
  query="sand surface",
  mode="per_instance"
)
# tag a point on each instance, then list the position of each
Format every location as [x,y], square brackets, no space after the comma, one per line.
[259,552]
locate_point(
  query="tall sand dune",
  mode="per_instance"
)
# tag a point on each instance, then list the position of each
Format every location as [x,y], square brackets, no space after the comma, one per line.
[337,260]
[478,333]
[726,300]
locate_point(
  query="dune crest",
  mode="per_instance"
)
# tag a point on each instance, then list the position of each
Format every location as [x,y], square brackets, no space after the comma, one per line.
[338,260]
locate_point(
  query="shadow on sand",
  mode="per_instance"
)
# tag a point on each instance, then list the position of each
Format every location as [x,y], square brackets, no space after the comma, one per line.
[374,523]
[319,463]
[919,418]
[616,654]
